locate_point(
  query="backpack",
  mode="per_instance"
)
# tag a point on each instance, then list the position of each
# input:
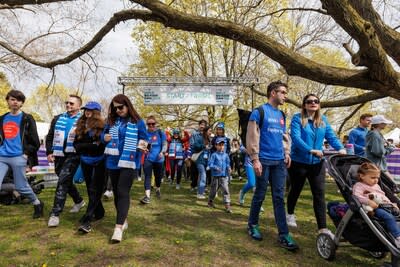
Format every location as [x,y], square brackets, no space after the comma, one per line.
[244,116]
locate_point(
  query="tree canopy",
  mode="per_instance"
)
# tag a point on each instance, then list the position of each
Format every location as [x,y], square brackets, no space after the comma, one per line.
[364,31]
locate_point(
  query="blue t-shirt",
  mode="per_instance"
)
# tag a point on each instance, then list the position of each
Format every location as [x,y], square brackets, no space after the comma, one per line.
[12,145]
[357,138]
[271,134]
[156,145]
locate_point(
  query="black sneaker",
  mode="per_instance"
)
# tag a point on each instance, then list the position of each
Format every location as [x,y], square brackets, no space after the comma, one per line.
[145,200]
[85,228]
[158,193]
[38,210]
[287,242]
[210,204]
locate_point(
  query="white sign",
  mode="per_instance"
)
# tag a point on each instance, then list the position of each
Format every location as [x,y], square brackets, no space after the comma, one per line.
[188,95]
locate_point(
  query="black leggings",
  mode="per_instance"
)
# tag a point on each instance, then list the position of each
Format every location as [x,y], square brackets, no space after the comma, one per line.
[122,180]
[95,177]
[176,164]
[315,175]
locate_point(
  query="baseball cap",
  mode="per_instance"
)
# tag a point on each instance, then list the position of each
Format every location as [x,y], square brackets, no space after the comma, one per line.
[92,105]
[220,140]
[176,131]
[220,125]
[378,119]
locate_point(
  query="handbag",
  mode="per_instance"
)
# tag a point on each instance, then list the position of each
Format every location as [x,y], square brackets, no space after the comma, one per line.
[195,156]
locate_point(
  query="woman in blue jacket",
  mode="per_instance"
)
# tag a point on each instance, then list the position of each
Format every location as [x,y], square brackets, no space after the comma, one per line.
[122,132]
[308,130]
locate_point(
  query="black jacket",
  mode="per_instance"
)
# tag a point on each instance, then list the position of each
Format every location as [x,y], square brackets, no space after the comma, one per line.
[89,146]
[50,136]
[29,136]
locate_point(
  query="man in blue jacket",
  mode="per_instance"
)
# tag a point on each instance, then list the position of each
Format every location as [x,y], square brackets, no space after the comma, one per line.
[265,148]
[357,135]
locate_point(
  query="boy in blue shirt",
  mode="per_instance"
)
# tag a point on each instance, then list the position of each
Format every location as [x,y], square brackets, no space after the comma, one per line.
[219,165]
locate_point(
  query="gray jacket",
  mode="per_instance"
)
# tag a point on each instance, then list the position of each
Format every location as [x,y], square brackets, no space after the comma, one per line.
[376,150]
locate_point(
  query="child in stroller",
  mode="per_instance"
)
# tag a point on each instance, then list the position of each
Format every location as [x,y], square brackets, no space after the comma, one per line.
[367,189]
[352,223]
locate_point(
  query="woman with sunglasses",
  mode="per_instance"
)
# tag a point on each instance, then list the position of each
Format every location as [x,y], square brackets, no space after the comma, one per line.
[121,134]
[154,158]
[91,151]
[308,129]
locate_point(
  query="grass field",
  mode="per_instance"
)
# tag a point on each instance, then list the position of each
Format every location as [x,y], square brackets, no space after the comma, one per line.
[177,230]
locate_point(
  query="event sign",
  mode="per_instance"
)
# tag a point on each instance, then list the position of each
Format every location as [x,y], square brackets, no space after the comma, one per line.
[188,95]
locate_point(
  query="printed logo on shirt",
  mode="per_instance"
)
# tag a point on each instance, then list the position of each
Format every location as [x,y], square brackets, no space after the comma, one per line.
[10,129]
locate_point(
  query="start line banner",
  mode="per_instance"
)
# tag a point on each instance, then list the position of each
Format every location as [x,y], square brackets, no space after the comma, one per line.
[188,95]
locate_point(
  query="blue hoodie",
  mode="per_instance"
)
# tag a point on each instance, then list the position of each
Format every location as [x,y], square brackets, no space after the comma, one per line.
[219,164]
[307,138]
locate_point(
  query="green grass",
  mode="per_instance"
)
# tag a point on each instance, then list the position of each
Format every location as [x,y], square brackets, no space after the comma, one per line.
[177,230]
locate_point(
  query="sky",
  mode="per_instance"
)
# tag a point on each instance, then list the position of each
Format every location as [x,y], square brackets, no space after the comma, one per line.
[114,55]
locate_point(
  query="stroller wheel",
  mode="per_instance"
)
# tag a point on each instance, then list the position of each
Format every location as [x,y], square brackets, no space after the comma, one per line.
[377,254]
[326,247]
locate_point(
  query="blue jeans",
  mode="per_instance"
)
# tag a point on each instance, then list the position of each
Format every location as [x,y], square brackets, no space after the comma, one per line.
[18,166]
[251,179]
[389,220]
[202,178]
[273,171]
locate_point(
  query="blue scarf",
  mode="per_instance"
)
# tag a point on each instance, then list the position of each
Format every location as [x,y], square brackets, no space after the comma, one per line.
[60,135]
[175,149]
[112,146]
[127,158]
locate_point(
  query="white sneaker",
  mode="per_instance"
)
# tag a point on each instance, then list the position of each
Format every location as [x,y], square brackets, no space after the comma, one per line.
[125,226]
[291,220]
[200,196]
[108,194]
[326,231]
[178,186]
[117,235]
[261,209]
[139,178]
[77,207]
[54,221]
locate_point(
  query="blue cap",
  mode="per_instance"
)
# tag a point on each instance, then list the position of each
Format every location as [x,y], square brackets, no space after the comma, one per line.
[220,140]
[92,105]
[176,131]
[220,125]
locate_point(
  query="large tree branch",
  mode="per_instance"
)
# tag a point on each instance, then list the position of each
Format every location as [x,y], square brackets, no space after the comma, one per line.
[113,21]
[371,53]
[390,38]
[294,63]
[345,102]
[12,3]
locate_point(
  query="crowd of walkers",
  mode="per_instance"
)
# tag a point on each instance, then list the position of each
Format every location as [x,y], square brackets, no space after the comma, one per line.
[116,150]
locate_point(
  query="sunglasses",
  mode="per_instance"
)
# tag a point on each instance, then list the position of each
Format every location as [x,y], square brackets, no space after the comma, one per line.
[312,101]
[69,103]
[120,107]
[151,124]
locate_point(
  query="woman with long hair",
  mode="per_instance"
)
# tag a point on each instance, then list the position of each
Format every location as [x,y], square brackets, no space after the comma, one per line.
[89,147]
[308,129]
[122,133]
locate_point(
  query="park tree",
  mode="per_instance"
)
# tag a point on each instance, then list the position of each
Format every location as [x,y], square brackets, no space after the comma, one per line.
[363,30]
[4,88]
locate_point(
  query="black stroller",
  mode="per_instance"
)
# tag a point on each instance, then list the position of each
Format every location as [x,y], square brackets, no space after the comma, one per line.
[356,226]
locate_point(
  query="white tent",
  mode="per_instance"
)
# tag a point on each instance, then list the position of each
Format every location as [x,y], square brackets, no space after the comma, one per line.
[42,129]
[393,134]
